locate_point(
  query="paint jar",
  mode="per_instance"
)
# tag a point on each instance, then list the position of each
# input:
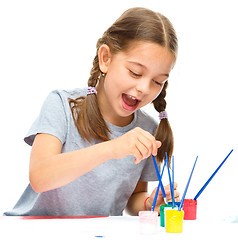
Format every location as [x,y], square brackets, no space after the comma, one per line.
[148,221]
[190,209]
[162,214]
[174,221]
[168,208]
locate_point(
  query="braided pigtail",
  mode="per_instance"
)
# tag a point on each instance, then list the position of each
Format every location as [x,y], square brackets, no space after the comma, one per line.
[86,112]
[164,132]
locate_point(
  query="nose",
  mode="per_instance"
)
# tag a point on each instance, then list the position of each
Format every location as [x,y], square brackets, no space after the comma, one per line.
[143,86]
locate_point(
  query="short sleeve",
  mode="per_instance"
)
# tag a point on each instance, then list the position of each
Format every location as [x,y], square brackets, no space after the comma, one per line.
[52,119]
[148,172]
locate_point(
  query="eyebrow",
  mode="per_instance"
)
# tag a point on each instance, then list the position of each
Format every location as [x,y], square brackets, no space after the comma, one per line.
[143,66]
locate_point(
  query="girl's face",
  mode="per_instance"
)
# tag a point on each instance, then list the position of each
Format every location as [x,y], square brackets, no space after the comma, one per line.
[133,79]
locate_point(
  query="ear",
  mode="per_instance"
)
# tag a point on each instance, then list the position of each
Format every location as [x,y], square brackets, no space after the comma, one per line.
[104,58]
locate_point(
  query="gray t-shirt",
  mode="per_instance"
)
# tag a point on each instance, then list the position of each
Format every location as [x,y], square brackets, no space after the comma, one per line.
[104,190]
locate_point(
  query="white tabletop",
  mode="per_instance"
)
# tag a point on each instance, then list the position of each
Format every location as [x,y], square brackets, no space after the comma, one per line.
[125,227]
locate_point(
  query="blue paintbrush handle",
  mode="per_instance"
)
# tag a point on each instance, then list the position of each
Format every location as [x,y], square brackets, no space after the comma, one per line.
[186,188]
[209,180]
[159,178]
[170,181]
[157,191]
[173,200]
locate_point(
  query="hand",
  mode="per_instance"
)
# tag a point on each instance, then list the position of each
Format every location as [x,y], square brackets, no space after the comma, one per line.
[160,199]
[137,142]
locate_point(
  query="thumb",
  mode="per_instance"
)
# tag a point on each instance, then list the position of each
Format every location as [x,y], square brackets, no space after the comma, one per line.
[158,144]
[175,185]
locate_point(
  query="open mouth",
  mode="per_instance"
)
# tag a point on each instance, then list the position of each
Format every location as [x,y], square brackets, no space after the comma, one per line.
[130,103]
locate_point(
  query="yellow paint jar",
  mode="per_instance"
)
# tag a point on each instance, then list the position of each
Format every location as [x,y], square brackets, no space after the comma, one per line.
[174,221]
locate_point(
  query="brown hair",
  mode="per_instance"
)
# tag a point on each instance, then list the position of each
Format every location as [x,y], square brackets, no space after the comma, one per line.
[135,24]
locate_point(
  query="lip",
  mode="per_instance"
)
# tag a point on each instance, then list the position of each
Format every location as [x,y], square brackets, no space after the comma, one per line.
[130,108]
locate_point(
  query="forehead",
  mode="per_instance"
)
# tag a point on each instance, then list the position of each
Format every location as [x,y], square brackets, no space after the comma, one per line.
[149,54]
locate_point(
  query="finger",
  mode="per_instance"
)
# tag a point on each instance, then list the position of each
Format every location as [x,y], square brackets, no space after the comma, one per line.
[148,145]
[167,188]
[153,144]
[158,145]
[168,192]
[154,148]
[176,197]
[176,194]
[137,154]
[137,160]
[160,200]
[143,149]
[145,146]
[157,209]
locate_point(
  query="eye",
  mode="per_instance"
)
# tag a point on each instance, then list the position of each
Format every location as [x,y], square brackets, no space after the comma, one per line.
[158,83]
[136,75]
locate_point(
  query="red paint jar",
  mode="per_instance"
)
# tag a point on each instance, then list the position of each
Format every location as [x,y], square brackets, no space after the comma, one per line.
[190,209]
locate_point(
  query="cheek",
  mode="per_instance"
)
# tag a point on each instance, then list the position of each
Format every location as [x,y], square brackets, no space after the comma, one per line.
[116,79]
[110,83]
[157,93]
[152,97]
[112,87]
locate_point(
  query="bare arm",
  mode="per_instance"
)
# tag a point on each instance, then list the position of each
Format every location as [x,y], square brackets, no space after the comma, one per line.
[50,169]
[137,199]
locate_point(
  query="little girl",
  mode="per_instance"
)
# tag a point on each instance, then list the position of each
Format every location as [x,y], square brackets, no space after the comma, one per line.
[91,148]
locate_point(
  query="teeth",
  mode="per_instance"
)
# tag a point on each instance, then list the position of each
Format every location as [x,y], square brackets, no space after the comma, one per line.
[132,97]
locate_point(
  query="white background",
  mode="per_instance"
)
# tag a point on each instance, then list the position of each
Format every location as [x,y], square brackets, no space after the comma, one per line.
[47,45]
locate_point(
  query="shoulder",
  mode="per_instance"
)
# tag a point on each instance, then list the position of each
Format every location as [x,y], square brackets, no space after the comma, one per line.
[69,94]
[55,115]
[146,121]
[61,97]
